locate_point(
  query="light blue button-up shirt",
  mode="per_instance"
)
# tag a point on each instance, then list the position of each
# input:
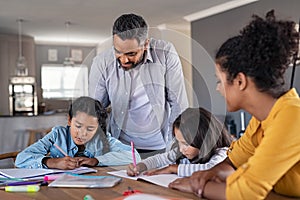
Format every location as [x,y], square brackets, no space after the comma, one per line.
[32,156]
[161,75]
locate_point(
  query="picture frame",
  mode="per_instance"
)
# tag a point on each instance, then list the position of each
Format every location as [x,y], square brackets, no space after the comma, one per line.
[76,55]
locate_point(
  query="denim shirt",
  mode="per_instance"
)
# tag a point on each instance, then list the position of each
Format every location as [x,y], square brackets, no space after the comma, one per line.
[161,75]
[32,156]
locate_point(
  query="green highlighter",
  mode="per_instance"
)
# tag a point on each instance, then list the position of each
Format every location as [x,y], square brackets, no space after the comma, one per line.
[23,188]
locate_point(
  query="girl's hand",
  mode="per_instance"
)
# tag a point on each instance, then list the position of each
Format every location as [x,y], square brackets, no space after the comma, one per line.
[90,162]
[135,171]
[171,169]
[62,163]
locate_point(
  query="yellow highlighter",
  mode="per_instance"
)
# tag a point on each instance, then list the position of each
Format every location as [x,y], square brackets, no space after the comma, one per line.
[22,188]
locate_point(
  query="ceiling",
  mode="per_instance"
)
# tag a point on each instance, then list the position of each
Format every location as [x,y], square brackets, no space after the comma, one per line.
[91,20]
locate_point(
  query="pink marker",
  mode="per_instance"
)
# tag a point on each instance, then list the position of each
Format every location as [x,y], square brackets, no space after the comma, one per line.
[133,154]
[51,177]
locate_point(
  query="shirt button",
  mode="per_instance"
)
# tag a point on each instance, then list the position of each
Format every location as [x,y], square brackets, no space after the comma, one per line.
[122,112]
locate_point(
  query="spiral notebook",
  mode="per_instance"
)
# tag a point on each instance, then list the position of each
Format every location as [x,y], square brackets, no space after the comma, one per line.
[83,181]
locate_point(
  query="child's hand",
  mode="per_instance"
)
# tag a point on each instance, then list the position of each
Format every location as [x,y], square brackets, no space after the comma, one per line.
[135,171]
[62,163]
[171,169]
[90,162]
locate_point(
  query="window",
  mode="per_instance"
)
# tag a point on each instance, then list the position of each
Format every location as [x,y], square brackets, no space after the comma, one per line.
[64,82]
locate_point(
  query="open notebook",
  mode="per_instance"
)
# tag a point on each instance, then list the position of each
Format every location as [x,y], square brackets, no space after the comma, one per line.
[161,179]
[25,173]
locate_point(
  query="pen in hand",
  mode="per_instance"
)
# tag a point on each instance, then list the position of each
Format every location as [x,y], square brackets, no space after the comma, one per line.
[133,154]
[62,151]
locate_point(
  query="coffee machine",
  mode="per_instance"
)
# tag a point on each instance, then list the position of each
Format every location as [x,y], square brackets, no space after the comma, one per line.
[22,96]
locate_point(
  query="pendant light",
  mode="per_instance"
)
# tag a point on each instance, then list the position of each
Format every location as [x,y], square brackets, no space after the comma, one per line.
[68,60]
[21,68]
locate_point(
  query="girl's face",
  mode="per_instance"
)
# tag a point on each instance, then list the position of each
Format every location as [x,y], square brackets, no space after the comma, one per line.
[186,149]
[83,127]
[228,91]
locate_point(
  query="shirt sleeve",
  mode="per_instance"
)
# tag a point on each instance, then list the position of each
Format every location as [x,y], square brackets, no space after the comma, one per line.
[277,153]
[32,156]
[188,169]
[97,86]
[175,85]
[243,148]
[160,160]
[119,154]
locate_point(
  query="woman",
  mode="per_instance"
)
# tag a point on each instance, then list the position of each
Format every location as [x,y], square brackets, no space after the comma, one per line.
[264,162]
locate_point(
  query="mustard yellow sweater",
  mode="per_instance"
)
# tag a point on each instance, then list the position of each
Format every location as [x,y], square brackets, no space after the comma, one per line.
[267,155]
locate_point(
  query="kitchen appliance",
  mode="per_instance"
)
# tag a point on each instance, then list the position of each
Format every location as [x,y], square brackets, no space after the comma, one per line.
[22,96]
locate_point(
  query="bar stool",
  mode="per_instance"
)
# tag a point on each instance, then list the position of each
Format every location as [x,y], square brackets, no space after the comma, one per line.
[33,133]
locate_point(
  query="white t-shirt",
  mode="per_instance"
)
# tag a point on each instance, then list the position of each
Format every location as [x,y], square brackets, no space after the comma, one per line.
[141,118]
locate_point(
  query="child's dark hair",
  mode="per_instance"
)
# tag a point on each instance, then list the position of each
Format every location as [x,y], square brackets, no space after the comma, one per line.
[93,108]
[263,51]
[202,130]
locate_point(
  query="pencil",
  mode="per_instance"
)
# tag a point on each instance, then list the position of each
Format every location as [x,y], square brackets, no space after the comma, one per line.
[133,154]
[62,151]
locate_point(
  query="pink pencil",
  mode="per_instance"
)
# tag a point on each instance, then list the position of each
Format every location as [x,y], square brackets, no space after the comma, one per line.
[133,154]
[62,151]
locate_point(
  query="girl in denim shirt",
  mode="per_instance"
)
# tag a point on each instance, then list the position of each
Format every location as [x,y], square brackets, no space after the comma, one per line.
[83,140]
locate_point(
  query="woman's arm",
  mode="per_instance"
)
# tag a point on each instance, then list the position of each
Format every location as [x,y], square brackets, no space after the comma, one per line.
[198,181]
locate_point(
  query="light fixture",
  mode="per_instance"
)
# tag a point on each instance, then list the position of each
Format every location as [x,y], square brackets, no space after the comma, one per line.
[68,60]
[21,68]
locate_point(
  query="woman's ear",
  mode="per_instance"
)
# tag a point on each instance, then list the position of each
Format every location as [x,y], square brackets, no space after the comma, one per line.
[69,120]
[241,81]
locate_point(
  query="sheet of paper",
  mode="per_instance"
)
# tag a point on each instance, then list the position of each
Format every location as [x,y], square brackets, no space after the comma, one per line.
[161,179]
[30,173]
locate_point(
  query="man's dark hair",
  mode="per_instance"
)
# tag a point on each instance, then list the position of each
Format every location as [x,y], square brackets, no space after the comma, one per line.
[131,26]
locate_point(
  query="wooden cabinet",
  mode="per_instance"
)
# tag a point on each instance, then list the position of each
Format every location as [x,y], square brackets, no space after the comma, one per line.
[9,53]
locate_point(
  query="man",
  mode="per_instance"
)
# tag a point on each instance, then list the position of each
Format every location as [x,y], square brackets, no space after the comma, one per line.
[142,80]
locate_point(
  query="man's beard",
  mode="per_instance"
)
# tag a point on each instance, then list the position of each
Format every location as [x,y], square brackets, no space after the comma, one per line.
[133,65]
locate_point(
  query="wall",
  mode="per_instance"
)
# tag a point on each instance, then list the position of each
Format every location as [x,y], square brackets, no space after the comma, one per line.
[212,31]
[88,52]
[9,52]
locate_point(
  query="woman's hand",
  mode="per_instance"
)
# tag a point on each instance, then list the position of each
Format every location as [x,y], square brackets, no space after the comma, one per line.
[182,184]
[66,162]
[135,171]
[171,169]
